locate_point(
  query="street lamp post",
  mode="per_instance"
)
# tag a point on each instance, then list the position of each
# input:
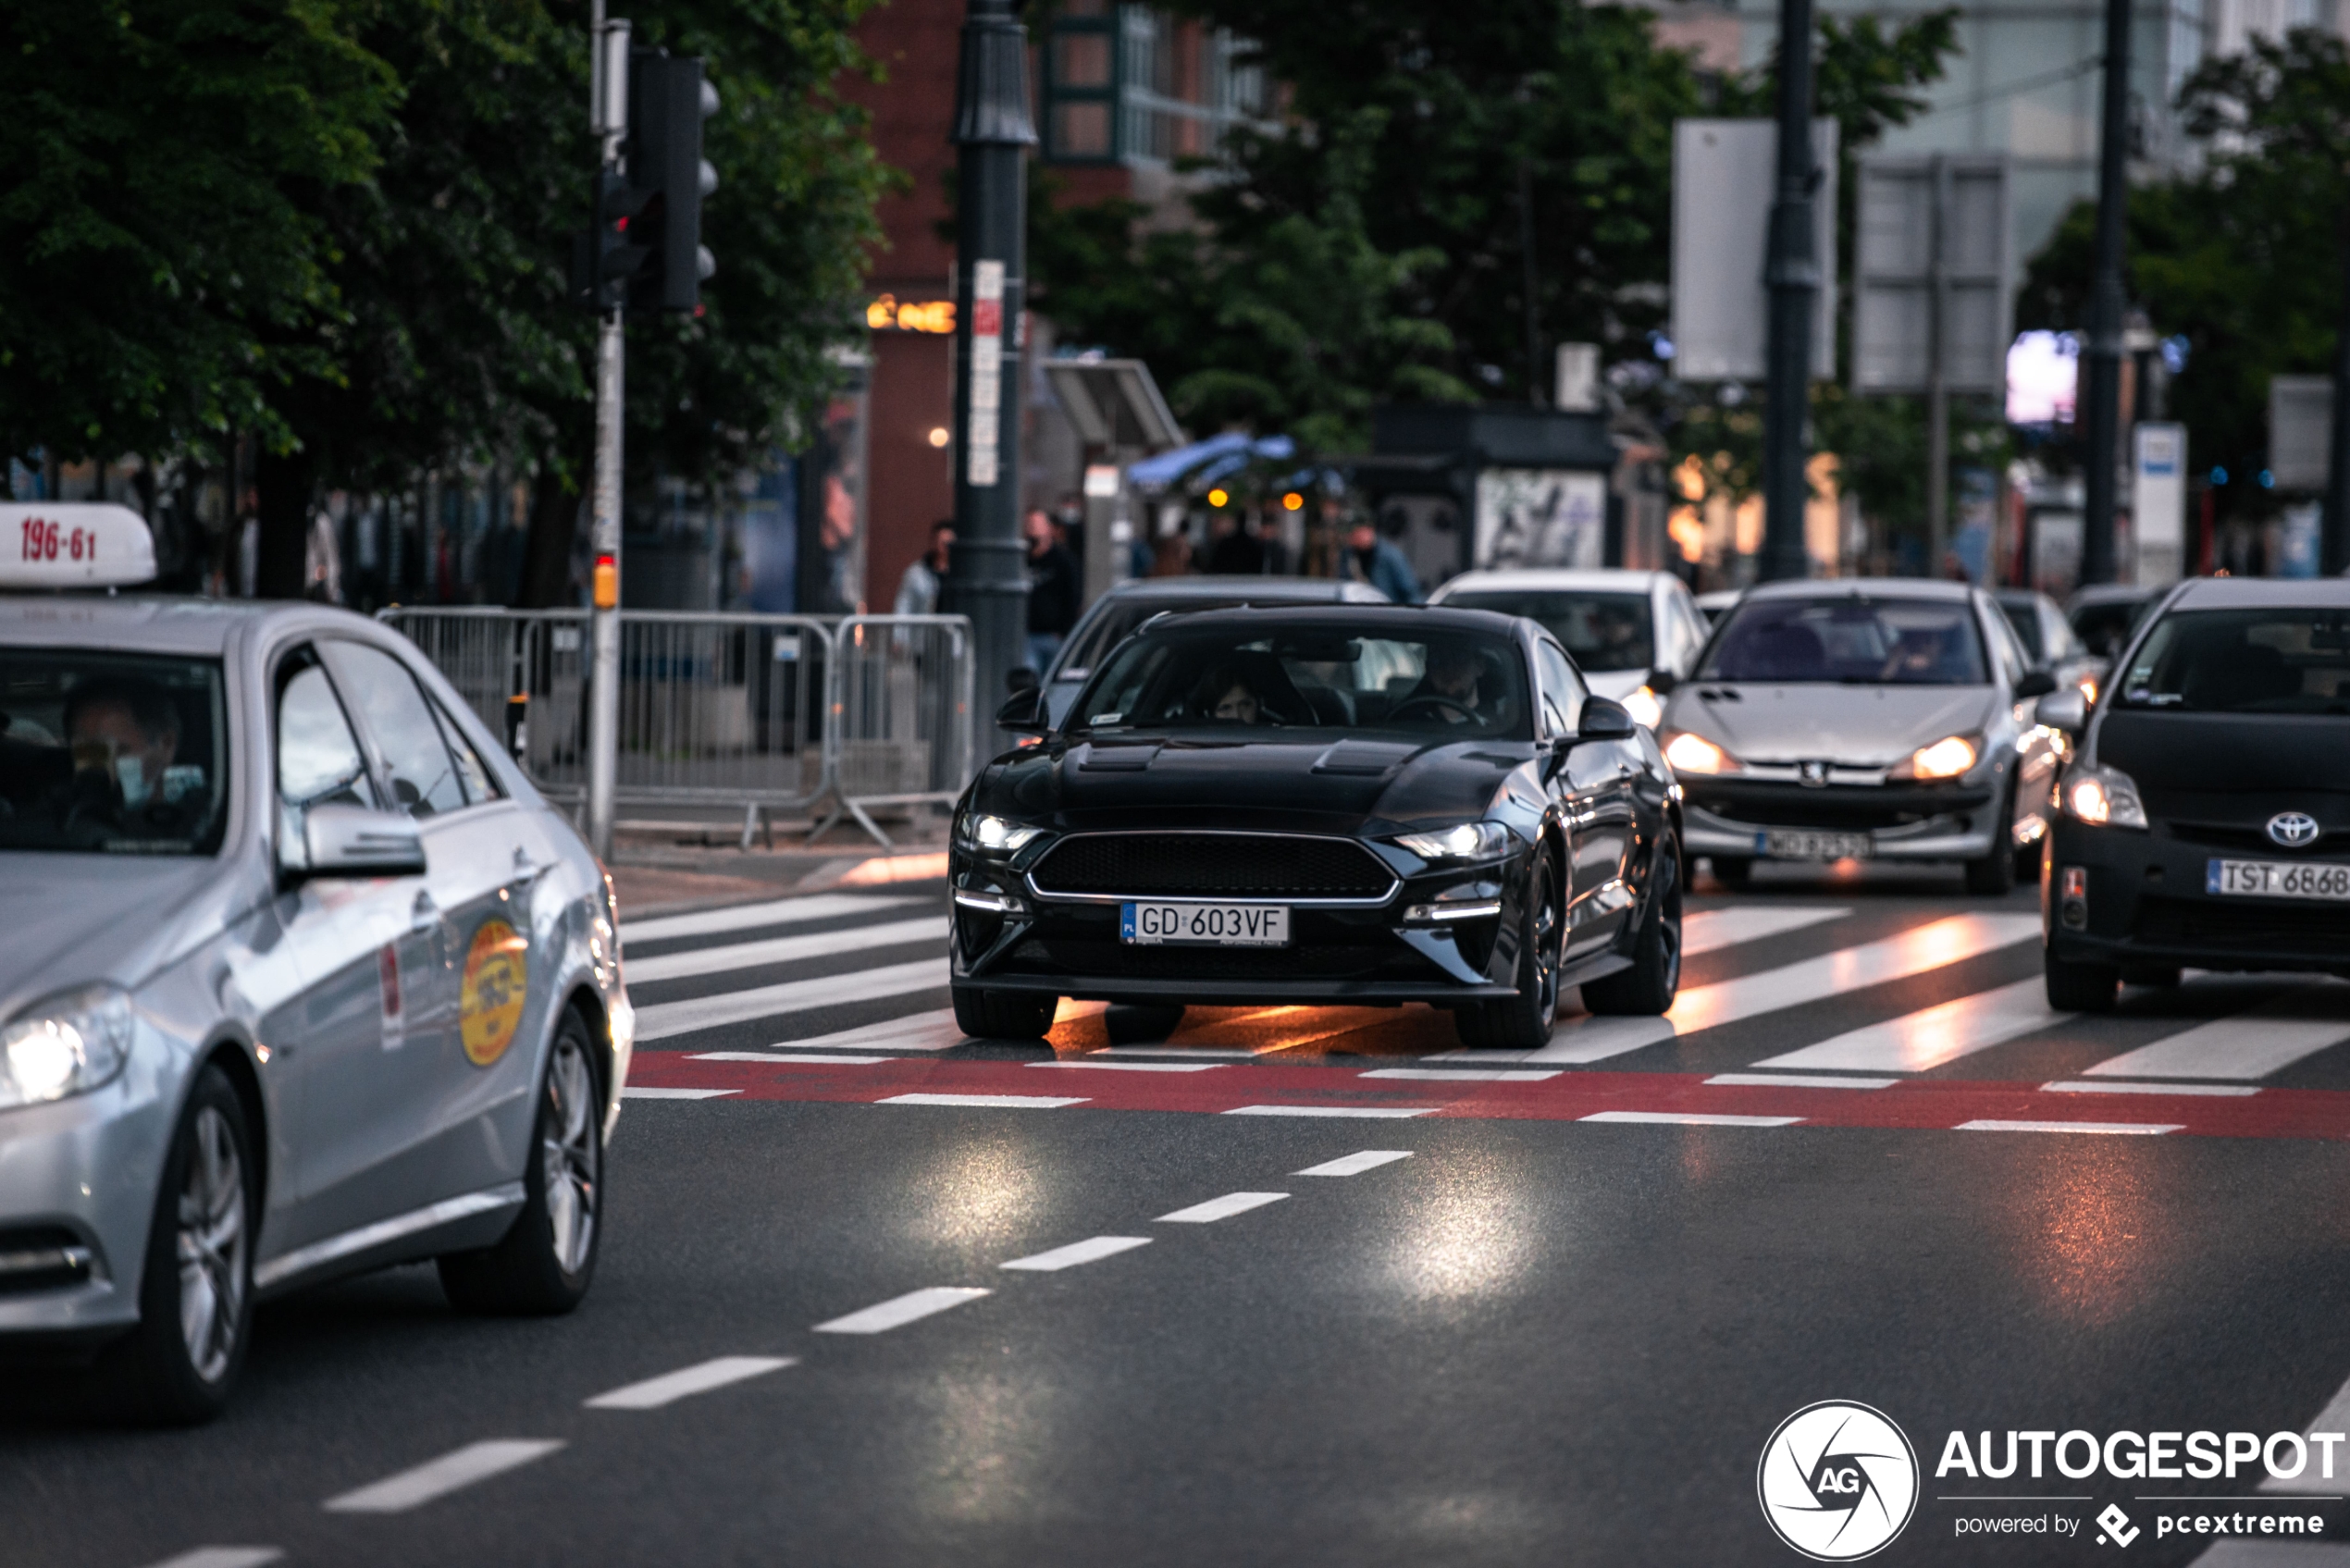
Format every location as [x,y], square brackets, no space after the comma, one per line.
[1793,274]
[2102,355]
[986,577]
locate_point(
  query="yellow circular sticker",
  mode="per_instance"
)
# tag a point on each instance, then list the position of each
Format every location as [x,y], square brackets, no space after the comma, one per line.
[489,1004]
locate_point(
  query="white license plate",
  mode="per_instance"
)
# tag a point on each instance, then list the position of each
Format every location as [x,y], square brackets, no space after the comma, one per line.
[1205,925]
[1785,844]
[2277,879]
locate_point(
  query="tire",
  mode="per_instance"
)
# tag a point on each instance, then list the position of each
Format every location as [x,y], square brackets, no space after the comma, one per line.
[1994,875]
[1649,986]
[2080,988]
[1523,1022]
[543,1265]
[1004,1015]
[181,1363]
[1733,871]
[2027,860]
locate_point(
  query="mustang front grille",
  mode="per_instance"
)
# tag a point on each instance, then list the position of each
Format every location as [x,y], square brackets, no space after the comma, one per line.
[1207,865]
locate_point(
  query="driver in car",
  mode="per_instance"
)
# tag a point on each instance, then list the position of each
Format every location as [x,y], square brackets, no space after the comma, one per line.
[1450,691]
[1231,700]
[124,735]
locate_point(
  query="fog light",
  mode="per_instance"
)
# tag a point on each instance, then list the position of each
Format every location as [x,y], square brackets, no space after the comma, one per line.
[987,903]
[1430,914]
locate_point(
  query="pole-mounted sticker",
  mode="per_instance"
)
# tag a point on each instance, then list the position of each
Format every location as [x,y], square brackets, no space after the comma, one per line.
[983,432]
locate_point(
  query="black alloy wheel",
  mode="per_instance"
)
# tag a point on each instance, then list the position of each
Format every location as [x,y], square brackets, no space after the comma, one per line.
[544,1263]
[2080,988]
[1004,1015]
[195,1292]
[1523,1022]
[1655,979]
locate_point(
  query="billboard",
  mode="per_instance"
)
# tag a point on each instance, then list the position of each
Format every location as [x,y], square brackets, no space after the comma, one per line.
[1541,517]
[1725,176]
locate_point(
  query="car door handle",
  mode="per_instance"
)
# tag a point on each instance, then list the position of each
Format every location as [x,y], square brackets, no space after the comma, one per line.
[424,915]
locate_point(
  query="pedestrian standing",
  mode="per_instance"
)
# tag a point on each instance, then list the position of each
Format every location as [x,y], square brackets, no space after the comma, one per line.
[1372,560]
[917,589]
[1053,591]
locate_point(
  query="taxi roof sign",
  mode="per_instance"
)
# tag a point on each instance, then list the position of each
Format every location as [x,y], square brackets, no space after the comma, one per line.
[73,544]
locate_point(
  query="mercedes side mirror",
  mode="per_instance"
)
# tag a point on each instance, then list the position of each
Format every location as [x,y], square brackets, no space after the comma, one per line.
[2067,711]
[351,841]
[2036,682]
[1605,720]
[1023,712]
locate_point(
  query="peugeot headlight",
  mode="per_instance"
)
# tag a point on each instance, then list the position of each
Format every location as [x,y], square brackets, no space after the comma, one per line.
[67,1044]
[1470,841]
[1945,759]
[2105,797]
[1691,753]
[1646,707]
[998,835]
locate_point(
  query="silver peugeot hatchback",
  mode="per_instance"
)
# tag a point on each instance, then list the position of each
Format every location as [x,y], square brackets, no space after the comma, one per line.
[302,976]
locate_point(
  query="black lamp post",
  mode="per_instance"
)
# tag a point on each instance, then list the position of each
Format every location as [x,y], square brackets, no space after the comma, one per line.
[1792,272]
[986,579]
[2102,355]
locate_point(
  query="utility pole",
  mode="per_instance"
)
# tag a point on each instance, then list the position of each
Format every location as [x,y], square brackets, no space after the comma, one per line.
[988,578]
[1792,273]
[2102,422]
[608,117]
[1937,380]
[2334,555]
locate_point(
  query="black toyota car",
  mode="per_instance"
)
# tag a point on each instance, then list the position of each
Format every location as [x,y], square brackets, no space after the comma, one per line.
[1327,803]
[2205,817]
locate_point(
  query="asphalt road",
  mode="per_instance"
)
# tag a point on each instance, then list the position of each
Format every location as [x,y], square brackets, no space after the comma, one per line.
[1531,1338]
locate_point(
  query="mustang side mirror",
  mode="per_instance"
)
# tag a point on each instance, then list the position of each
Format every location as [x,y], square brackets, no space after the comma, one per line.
[2036,682]
[1604,720]
[1023,712]
[2067,711]
[351,841]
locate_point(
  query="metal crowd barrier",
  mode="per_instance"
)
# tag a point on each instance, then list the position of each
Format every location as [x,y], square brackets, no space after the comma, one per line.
[768,713]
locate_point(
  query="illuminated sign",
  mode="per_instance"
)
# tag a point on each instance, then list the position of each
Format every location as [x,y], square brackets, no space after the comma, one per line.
[889,314]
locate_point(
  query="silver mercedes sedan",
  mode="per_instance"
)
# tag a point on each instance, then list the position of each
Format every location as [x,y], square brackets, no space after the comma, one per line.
[1877,718]
[302,978]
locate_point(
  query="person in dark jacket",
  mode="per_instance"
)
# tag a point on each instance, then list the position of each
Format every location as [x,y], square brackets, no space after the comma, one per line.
[1054,594]
[1372,560]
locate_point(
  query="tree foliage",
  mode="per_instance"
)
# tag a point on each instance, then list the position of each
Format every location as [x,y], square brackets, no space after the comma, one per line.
[2243,257]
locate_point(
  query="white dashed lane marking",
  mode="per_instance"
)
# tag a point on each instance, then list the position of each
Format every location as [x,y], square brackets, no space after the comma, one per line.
[675,1093]
[1224,1207]
[224,1557]
[1092,1250]
[898,1310]
[2226,1091]
[2147,1128]
[1391,1112]
[803,1056]
[438,1477]
[1462,1075]
[1690,1119]
[1797,1080]
[667,1390]
[1134,1067]
[1356,1164]
[991,1101]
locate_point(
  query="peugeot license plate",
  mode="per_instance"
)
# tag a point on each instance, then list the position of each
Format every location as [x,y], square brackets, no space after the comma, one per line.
[2277,879]
[1205,925]
[1792,843]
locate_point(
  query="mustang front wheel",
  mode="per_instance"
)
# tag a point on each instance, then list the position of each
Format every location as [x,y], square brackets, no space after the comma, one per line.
[1523,1022]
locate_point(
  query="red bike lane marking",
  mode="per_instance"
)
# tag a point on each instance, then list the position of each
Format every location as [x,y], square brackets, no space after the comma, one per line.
[1913,1103]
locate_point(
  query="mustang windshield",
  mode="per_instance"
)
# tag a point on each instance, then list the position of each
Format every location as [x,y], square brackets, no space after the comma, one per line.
[1605,632]
[2272,660]
[103,753]
[1236,680]
[1903,642]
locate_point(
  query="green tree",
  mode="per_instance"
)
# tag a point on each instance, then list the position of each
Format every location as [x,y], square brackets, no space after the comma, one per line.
[2234,256]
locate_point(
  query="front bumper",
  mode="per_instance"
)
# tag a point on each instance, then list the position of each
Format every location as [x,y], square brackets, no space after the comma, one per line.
[77,1176]
[1960,820]
[2143,902]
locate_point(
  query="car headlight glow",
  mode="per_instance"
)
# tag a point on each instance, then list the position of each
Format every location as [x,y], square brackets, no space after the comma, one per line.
[1692,753]
[1945,759]
[67,1044]
[1470,841]
[999,834]
[2103,797]
[1646,709]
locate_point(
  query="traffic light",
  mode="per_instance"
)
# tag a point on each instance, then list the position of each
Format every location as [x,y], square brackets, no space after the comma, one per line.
[668,100]
[608,256]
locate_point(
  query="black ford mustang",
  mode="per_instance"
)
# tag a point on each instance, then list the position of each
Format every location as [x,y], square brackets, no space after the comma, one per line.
[1347,804]
[2205,819]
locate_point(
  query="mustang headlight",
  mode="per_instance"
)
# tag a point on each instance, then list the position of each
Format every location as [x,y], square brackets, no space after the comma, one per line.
[67,1044]
[1692,753]
[1945,759]
[1470,841]
[999,835]
[2105,797]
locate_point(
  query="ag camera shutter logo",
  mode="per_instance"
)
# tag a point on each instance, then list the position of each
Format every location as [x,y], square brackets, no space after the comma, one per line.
[1839,1481]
